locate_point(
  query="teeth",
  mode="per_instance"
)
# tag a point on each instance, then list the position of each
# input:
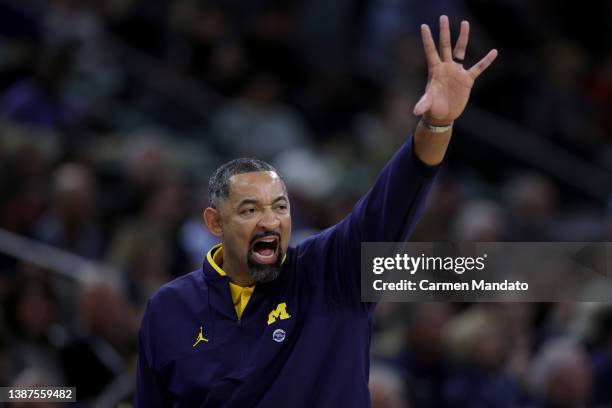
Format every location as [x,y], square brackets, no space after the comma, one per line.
[268,240]
[271,240]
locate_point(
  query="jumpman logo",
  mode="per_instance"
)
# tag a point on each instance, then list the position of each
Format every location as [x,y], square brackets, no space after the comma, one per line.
[200,338]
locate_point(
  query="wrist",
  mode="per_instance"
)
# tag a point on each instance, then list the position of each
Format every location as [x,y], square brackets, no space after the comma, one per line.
[435,126]
[436,122]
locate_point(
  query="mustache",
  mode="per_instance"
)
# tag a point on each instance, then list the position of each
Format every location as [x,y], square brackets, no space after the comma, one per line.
[264,234]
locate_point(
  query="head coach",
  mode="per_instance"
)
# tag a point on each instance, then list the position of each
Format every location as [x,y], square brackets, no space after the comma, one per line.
[265,325]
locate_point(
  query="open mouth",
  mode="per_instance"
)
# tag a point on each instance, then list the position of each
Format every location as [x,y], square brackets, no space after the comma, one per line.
[264,250]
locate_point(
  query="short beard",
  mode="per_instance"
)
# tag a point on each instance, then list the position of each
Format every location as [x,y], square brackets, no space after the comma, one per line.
[265,273]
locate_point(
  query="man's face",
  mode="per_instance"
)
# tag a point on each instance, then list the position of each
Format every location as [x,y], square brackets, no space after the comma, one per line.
[256,223]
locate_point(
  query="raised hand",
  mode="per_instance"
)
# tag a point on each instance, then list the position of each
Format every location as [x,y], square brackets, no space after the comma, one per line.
[448,84]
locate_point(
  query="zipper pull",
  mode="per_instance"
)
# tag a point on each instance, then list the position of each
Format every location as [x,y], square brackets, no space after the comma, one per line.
[239,322]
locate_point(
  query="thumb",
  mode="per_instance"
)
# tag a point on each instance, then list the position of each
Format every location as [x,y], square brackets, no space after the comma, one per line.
[423,105]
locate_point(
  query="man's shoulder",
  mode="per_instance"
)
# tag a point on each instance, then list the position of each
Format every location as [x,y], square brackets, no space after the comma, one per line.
[167,326]
[185,287]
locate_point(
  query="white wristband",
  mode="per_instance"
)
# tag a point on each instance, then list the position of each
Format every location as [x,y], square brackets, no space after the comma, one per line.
[435,129]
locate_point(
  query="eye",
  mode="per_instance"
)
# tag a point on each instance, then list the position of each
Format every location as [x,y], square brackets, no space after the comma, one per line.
[248,211]
[282,207]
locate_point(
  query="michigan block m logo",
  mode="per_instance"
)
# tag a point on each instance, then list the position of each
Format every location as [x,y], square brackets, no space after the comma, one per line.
[280,313]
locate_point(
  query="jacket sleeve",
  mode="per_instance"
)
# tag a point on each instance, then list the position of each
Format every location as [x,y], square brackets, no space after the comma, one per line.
[149,392]
[388,212]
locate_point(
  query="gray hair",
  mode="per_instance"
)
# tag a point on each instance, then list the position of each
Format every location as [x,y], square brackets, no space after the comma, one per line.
[219,184]
[557,355]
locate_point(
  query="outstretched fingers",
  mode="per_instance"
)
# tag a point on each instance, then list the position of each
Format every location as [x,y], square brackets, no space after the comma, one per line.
[483,64]
[462,41]
[431,54]
[445,40]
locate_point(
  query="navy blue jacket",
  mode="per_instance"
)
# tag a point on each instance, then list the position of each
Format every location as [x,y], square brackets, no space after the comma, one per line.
[303,339]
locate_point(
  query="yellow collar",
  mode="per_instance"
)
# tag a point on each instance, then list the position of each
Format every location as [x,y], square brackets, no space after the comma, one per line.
[215,258]
[240,295]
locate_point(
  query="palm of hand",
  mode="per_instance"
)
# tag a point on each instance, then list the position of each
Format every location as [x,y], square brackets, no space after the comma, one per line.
[449,87]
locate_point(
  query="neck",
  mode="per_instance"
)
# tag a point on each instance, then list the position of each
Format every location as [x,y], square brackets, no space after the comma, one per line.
[236,270]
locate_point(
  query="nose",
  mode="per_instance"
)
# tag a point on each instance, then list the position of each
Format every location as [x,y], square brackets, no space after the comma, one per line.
[269,220]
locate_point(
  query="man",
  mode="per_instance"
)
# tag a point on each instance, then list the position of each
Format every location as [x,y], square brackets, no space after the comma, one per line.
[265,325]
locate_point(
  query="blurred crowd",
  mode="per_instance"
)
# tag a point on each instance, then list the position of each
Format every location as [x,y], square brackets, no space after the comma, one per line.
[113,113]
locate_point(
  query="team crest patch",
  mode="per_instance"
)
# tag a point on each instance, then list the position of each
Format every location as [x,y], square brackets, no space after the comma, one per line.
[278,335]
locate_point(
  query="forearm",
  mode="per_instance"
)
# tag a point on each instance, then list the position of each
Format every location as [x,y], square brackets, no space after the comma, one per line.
[431,147]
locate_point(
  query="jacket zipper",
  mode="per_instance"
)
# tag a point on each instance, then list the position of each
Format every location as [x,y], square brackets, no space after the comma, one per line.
[239,324]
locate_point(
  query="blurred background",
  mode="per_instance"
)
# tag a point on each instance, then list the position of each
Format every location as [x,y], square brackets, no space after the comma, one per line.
[113,113]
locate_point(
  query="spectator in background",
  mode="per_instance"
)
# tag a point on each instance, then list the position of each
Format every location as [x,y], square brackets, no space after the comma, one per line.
[30,315]
[146,163]
[387,21]
[424,360]
[381,133]
[71,221]
[441,210]
[313,179]
[145,258]
[479,341]
[22,188]
[270,41]
[386,388]
[41,100]
[193,235]
[324,32]
[479,220]
[561,376]
[105,348]
[558,107]
[142,24]
[601,358]
[518,322]
[214,51]
[532,201]
[147,247]
[94,72]
[599,88]
[32,378]
[259,115]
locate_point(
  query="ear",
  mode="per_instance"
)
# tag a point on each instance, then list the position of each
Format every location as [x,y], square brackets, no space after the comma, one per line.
[212,218]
